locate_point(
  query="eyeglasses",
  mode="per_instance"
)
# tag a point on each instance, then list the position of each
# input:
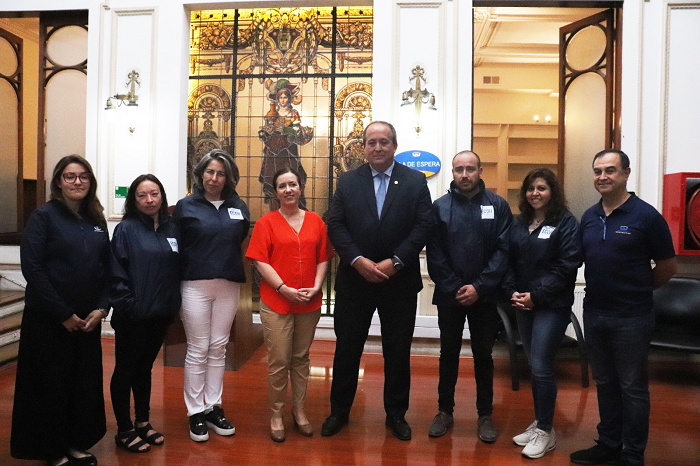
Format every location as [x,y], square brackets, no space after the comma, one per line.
[69,177]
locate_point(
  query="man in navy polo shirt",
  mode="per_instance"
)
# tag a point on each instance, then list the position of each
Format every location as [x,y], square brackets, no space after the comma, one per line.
[621,236]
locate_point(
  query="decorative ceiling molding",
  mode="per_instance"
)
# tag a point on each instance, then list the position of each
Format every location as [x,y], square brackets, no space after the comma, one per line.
[497,28]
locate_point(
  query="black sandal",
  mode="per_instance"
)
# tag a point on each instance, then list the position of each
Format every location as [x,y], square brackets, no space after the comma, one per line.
[124,440]
[151,439]
[87,460]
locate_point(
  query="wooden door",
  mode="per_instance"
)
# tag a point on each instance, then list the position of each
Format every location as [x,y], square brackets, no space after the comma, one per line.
[588,101]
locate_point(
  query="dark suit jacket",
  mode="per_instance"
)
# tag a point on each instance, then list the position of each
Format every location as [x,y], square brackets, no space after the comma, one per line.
[355,228]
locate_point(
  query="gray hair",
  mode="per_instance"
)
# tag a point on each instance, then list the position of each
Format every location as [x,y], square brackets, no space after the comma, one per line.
[230,168]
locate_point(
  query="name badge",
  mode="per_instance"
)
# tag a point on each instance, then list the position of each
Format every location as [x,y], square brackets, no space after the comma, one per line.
[546,232]
[235,214]
[487,212]
[173,244]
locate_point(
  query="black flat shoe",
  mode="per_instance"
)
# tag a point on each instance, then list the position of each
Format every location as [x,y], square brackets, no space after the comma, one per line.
[88,460]
[399,427]
[333,424]
[67,462]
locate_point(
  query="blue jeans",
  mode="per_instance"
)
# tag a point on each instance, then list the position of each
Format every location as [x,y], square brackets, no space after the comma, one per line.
[618,348]
[483,326]
[541,332]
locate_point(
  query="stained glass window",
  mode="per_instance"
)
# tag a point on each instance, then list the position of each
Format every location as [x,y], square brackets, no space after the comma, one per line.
[281,87]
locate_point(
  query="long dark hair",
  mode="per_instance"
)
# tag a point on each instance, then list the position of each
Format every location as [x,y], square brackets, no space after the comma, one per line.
[230,168]
[130,208]
[90,206]
[557,202]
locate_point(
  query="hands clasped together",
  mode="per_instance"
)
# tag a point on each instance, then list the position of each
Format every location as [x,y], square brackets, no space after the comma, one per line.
[299,295]
[75,323]
[522,301]
[374,272]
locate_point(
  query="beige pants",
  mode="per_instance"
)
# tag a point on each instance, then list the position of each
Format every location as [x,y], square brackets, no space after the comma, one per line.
[288,339]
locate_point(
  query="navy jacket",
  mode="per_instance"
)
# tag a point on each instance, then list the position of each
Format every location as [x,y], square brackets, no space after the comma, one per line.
[211,238]
[65,260]
[145,269]
[469,244]
[544,262]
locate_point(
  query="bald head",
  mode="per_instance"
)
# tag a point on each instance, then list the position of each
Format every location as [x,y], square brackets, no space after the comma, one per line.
[467,152]
[466,172]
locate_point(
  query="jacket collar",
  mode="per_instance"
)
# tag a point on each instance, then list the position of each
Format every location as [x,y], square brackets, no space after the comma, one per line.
[198,194]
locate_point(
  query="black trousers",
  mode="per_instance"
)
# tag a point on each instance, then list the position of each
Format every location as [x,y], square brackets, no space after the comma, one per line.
[353,316]
[136,346]
[483,326]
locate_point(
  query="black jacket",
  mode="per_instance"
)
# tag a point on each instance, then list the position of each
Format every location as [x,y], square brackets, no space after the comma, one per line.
[544,263]
[65,260]
[145,269]
[468,244]
[211,238]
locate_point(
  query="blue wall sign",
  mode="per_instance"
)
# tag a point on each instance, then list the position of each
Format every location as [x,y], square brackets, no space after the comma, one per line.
[420,160]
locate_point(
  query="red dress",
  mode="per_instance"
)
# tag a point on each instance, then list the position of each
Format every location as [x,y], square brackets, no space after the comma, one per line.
[294,256]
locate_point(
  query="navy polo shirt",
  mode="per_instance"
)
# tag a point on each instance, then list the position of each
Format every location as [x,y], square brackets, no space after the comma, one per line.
[617,250]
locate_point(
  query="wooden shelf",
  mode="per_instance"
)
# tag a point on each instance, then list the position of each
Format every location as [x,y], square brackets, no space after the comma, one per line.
[533,159]
[508,152]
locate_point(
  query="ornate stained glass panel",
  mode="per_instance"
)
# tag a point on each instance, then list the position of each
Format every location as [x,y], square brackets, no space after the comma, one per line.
[281,87]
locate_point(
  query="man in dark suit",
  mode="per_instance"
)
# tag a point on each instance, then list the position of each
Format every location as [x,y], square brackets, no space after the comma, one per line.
[378,222]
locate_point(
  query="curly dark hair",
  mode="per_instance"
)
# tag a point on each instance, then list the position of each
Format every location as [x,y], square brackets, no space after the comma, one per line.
[130,208]
[90,207]
[557,203]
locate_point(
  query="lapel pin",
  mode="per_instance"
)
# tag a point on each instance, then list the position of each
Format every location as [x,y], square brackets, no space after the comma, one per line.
[396,181]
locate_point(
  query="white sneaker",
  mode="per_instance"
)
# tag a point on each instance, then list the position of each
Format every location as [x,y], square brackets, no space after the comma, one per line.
[540,443]
[524,438]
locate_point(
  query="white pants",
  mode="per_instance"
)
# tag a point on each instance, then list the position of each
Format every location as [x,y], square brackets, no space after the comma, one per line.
[208,309]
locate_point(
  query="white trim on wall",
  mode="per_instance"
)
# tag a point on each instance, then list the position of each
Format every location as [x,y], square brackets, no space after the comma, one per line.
[680,69]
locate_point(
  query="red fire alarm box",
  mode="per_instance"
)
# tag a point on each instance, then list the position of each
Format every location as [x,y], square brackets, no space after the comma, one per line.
[682,211]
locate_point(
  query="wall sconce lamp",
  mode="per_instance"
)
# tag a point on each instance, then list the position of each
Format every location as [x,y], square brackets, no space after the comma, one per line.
[418,96]
[126,99]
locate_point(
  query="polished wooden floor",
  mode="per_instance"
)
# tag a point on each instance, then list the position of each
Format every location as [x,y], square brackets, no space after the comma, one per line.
[674,436]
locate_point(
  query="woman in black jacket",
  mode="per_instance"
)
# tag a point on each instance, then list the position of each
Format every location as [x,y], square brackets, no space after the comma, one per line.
[145,295]
[545,253]
[59,410]
[213,222]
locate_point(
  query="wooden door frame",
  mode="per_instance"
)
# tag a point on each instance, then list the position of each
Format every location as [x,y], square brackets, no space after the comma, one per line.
[17,85]
[49,23]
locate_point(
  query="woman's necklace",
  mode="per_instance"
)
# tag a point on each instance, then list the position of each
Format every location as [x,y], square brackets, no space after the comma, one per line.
[534,224]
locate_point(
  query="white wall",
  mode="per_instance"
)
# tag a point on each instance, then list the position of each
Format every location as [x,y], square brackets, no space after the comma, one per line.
[660,98]
[656,33]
